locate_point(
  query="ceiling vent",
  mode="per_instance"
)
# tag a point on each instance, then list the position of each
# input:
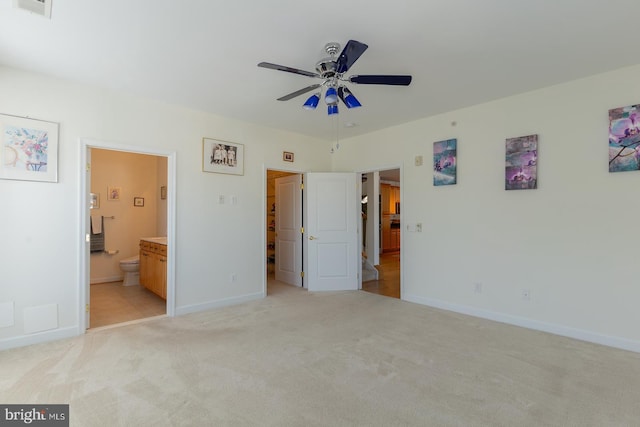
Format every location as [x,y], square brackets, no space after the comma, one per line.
[39,7]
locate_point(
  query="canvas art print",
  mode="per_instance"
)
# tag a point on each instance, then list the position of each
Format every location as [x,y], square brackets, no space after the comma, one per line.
[521,171]
[624,139]
[444,162]
[29,149]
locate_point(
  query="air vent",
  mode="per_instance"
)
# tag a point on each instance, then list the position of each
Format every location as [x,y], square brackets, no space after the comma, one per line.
[39,7]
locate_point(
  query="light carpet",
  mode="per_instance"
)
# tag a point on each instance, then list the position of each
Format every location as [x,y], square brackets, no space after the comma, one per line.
[326,359]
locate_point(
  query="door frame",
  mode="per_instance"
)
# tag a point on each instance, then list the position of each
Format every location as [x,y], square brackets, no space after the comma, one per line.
[265,168]
[402,211]
[85,145]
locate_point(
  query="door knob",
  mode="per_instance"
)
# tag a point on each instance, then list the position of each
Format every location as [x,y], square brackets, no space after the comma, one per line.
[312,238]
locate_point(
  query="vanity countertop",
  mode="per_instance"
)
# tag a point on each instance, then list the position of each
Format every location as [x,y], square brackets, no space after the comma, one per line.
[161,240]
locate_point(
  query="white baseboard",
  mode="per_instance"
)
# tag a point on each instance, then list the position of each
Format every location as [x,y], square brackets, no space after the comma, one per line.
[194,308]
[566,331]
[106,279]
[41,337]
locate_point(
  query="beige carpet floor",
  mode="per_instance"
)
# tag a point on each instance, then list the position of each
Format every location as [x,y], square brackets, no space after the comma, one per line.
[326,359]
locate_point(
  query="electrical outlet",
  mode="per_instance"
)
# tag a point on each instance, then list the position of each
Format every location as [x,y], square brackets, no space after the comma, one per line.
[477,287]
[221,199]
[526,294]
[233,277]
[418,160]
[419,227]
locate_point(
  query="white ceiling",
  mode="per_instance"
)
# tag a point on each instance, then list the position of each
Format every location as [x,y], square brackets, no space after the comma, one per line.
[203,53]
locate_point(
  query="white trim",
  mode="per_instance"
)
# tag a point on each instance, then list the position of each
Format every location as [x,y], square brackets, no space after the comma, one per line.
[195,308]
[85,144]
[38,338]
[99,280]
[566,331]
[127,323]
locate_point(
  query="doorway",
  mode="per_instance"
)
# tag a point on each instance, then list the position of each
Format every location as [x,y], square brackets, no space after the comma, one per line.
[283,228]
[130,202]
[381,206]
[118,291]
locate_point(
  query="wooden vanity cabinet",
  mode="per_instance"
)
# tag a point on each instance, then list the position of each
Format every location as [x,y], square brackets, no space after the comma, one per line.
[153,267]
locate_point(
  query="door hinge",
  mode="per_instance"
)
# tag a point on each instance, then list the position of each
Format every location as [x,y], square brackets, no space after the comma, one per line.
[302,274]
[86,307]
[87,238]
[88,167]
[301,230]
[302,186]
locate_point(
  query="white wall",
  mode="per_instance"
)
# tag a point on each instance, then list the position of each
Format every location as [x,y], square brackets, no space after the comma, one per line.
[40,224]
[572,242]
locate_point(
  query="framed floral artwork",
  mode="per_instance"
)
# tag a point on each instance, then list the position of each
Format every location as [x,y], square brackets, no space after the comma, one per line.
[29,149]
[624,139]
[521,168]
[444,162]
[113,193]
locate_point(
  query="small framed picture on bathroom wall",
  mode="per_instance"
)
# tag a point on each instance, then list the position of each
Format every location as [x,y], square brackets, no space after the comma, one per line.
[94,201]
[113,193]
[138,202]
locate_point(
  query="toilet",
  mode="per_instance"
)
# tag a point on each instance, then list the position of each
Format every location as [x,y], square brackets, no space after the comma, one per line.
[131,269]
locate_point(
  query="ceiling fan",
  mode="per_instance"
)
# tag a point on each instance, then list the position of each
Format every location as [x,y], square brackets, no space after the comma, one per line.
[331,71]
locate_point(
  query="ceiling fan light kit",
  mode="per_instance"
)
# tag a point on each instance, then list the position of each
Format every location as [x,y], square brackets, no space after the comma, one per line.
[347,97]
[331,70]
[312,102]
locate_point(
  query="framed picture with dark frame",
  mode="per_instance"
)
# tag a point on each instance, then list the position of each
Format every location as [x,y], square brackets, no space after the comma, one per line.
[287,156]
[138,202]
[222,157]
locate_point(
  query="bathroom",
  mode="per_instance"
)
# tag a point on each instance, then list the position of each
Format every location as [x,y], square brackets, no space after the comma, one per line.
[129,204]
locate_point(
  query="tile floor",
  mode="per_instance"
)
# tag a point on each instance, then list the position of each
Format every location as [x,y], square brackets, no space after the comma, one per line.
[113,303]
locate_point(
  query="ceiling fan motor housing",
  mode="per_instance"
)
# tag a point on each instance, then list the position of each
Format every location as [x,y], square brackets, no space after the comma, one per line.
[327,67]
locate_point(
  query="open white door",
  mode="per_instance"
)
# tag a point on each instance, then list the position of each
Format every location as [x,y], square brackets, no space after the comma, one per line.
[331,233]
[288,266]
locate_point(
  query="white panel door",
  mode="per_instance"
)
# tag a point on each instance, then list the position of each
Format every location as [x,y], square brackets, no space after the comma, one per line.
[331,233]
[288,267]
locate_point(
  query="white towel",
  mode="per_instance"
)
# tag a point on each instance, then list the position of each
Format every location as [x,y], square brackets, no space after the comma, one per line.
[96,224]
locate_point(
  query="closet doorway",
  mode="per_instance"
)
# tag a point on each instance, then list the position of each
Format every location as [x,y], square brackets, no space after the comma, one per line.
[283,228]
